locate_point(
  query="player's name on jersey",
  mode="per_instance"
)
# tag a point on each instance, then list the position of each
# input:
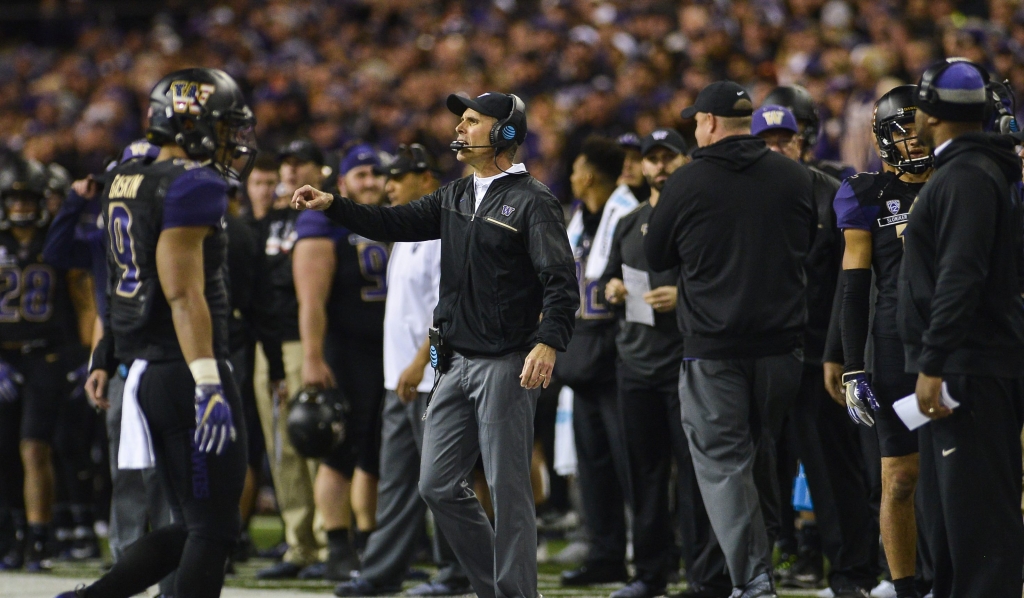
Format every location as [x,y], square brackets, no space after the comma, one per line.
[894,219]
[125,186]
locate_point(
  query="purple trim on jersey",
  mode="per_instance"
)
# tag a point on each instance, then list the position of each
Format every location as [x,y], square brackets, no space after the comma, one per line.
[312,224]
[196,198]
[849,211]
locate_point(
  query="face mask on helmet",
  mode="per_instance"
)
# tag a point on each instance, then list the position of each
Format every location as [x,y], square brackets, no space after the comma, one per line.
[896,133]
[23,185]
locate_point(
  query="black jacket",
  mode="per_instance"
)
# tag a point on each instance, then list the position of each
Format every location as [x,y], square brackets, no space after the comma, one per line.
[502,267]
[824,261]
[739,221]
[959,305]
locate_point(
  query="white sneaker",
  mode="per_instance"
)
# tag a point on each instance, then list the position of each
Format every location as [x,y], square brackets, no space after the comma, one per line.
[826,593]
[884,589]
[575,552]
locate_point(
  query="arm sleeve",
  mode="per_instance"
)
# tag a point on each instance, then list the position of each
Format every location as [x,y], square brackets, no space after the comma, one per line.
[102,357]
[61,249]
[834,339]
[416,221]
[856,312]
[660,246]
[548,246]
[196,198]
[964,248]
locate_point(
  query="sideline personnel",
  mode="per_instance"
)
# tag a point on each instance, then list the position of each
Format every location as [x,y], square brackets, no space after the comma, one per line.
[505,263]
[736,212]
[961,320]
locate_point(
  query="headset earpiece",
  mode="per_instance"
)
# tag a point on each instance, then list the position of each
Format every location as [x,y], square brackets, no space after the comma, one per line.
[506,131]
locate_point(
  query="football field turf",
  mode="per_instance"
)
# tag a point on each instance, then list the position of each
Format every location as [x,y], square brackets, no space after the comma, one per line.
[266,532]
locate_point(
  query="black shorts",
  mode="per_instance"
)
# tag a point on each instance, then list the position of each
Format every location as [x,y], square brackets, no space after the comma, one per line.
[204,487]
[358,367]
[46,389]
[891,383]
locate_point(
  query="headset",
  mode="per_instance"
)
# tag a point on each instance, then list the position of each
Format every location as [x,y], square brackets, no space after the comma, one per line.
[506,132]
[1004,108]
[928,96]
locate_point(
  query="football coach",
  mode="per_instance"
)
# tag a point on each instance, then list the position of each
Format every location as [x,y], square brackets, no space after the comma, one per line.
[738,222]
[961,320]
[507,302]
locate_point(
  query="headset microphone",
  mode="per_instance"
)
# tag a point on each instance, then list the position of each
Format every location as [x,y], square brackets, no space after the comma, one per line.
[461,145]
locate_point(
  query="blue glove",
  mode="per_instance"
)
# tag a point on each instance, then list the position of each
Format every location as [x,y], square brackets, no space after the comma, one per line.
[860,398]
[9,381]
[214,427]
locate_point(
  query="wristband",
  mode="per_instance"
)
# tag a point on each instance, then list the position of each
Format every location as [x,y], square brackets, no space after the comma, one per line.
[204,371]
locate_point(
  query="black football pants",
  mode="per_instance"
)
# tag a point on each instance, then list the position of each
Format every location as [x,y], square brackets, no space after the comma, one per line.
[204,490]
[970,484]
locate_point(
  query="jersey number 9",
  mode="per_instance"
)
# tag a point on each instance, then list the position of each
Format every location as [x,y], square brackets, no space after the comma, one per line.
[122,246]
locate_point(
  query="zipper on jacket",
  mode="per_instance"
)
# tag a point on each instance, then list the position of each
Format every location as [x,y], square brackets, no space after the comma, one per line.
[501,224]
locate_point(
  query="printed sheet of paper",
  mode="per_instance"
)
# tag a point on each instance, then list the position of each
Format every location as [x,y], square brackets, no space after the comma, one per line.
[911,415]
[637,284]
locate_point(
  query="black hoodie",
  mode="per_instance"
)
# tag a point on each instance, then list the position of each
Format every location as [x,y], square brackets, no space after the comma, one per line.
[738,221]
[959,304]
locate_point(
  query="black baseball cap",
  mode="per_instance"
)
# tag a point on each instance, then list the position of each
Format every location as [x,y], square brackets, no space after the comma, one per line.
[669,139]
[410,158]
[492,103]
[721,98]
[304,150]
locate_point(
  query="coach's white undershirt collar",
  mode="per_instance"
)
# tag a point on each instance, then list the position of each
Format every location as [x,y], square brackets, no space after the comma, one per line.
[482,184]
[942,147]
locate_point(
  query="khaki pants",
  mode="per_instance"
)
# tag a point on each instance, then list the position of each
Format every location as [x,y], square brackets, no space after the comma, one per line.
[293,475]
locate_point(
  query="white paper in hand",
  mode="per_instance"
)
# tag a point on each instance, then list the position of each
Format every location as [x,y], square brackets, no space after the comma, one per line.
[911,415]
[637,283]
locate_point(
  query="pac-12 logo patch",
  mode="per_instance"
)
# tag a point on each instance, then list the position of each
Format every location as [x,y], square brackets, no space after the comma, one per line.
[893,205]
[506,211]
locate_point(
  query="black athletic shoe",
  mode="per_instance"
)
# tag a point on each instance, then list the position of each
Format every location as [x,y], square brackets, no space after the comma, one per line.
[362,587]
[281,570]
[639,589]
[699,591]
[441,588]
[595,572]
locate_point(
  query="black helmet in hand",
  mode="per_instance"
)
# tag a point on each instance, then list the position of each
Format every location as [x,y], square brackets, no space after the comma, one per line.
[203,111]
[316,423]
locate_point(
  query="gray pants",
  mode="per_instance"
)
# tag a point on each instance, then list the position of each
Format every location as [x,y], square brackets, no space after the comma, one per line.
[400,509]
[732,411]
[479,408]
[130,489]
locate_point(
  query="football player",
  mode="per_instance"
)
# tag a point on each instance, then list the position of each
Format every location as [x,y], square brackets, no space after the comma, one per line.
[169,311]
[872,210]
[37,328]
[341,283]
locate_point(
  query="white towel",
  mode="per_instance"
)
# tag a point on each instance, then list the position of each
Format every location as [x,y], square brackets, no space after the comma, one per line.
[136,448]
[565,439]
[619,204]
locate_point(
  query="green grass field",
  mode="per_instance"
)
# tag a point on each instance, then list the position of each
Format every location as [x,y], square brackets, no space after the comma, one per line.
[267,532]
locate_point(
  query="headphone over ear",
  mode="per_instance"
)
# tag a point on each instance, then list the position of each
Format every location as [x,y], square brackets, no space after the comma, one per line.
[928,96]
[511,129]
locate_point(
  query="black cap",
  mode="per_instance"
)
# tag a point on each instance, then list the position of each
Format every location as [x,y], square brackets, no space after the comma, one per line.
[304,150]
[666,138]
[721,98]
[410,158]
[492,103]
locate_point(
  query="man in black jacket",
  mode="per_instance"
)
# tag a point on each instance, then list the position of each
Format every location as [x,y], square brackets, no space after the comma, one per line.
[961,320]
[507,303]
[817,430]
[738,223]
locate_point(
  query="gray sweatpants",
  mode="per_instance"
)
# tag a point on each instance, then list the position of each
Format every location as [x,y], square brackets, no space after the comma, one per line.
[400,509]
[137,499]
[732,411]
[479,408]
